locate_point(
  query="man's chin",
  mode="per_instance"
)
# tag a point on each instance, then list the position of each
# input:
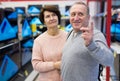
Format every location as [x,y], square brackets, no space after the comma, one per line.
[77,27]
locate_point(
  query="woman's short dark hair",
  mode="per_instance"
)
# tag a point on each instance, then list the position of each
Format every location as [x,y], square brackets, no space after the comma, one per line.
[50,8]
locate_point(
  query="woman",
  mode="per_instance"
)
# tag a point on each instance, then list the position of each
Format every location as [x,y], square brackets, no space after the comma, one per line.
[47,48]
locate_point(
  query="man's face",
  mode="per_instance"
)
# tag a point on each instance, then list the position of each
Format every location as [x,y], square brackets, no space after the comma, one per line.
[78,16]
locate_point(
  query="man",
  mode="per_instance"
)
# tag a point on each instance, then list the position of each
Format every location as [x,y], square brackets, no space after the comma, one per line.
[85,48]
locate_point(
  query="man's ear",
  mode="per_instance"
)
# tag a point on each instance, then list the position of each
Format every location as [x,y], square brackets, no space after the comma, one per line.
[88,17]
[88,20]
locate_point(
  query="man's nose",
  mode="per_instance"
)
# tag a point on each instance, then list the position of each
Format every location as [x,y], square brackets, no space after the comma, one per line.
[76,17]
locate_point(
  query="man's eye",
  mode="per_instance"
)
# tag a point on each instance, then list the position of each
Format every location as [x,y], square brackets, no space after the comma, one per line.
[73,14]
[80,14]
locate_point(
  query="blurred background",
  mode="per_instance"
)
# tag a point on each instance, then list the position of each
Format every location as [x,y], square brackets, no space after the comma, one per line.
[20,25]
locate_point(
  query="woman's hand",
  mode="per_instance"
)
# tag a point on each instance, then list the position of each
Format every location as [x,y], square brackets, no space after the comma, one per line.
[57,65]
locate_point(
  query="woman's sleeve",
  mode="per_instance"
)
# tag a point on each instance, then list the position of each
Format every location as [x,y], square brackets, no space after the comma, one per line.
[38,62]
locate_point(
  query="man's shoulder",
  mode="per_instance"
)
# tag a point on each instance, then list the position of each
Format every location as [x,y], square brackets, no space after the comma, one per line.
[97,31]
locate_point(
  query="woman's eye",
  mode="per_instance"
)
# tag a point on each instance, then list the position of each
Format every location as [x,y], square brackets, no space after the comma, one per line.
[47,16]
[54,14]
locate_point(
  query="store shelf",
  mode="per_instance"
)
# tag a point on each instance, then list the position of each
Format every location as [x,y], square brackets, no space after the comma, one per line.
[8,45]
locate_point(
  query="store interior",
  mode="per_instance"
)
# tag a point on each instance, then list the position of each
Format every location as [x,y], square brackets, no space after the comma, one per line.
[20,25]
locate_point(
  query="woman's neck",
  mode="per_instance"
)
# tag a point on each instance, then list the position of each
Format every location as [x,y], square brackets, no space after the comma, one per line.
[53,31]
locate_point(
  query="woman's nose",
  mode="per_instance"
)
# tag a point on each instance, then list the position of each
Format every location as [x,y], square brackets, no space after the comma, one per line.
[51,17]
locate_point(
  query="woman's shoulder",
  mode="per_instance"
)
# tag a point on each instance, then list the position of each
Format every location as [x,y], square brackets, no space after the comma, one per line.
[41,36]
[64,32]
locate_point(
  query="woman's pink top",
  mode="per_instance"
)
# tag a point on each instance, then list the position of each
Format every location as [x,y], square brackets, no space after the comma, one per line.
[47,50]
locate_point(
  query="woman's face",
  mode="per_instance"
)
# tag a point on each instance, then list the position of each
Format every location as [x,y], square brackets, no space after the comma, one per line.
[50,19]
